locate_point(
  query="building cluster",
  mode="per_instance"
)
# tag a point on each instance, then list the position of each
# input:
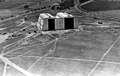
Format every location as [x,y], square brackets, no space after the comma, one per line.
[62,21]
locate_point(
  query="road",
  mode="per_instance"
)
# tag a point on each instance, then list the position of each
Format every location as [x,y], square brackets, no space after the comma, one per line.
[22,15]
[78,6]
[86,2]
[92,14]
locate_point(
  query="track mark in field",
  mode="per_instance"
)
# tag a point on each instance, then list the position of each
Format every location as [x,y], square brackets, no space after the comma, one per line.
[7,61]
[50,52]
[96,66]
[5,68]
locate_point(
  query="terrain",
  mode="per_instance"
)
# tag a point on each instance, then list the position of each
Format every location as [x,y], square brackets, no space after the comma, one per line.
[107,8]
[90,50]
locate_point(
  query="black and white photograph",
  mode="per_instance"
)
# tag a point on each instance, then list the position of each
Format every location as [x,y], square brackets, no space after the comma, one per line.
[59,37]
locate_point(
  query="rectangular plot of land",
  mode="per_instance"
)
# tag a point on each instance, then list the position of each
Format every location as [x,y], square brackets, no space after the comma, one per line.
[91,46]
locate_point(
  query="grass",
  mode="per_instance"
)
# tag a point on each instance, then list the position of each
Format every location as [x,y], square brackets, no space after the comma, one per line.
[78,46]
[10,5]
[102,6]
[34,16]
[94,45]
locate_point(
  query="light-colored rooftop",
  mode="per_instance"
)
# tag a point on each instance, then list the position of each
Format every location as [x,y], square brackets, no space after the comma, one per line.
[59,15]
[64,14]
[46,15]
[50,15]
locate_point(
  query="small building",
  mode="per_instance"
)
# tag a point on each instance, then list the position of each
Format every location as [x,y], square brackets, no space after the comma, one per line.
[61,21]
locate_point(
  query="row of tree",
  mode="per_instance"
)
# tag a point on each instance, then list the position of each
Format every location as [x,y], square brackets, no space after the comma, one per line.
[66,4]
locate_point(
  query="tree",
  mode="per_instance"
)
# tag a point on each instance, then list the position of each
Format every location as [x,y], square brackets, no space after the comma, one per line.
[53,7]
[26,7]
[39,2]
[66,4]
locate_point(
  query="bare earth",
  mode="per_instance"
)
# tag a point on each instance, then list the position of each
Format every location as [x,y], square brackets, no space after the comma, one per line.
[88,52]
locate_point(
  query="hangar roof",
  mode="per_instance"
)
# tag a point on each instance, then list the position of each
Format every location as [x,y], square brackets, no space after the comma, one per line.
[64,14]
[59,15]
[46,15]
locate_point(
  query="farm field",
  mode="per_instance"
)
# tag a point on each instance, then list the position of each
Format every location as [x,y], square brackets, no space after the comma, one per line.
[10,5]
[109,9]
[92,50]
[72,54]
[106,5]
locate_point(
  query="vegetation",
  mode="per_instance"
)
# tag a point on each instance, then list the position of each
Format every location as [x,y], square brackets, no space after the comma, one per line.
[82,1]
[66,4]
[26,7]
[102,6]
[10,5]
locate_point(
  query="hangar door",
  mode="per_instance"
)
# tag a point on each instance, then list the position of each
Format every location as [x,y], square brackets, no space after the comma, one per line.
[69,23]
[51,24]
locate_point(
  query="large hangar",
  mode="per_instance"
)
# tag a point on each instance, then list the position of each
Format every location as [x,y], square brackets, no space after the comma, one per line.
[62,21]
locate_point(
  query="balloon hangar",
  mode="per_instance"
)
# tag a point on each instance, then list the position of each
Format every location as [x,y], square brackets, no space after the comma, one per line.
[62,21]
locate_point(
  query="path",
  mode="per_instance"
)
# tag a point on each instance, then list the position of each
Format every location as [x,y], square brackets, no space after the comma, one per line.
[86,2]
[102,58]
